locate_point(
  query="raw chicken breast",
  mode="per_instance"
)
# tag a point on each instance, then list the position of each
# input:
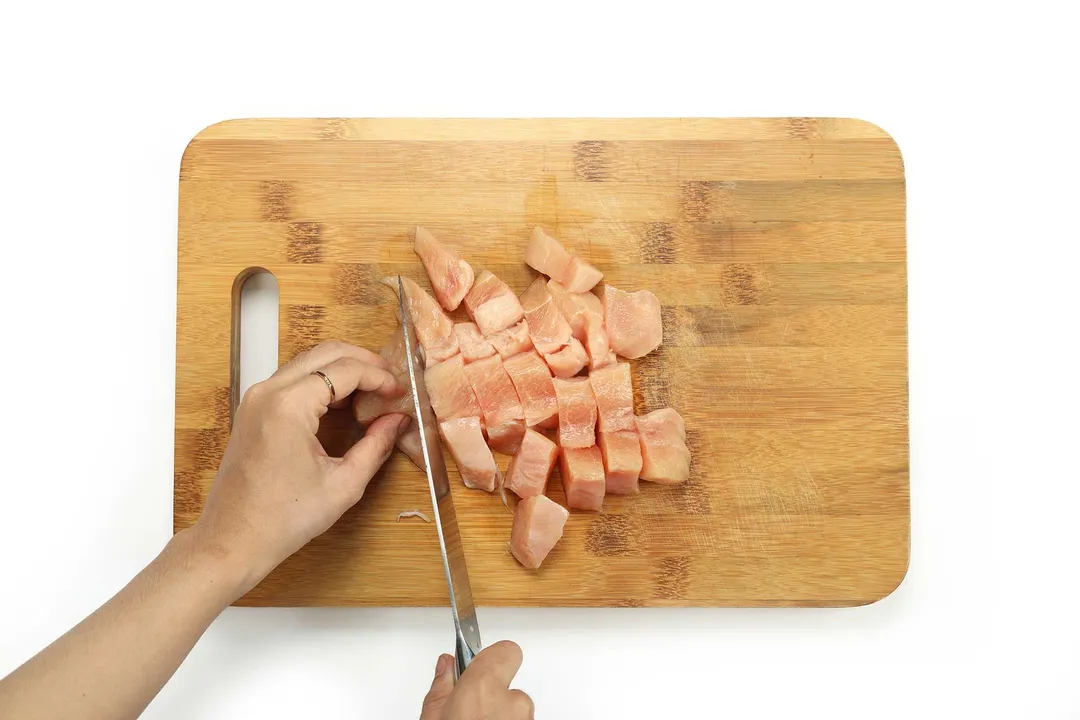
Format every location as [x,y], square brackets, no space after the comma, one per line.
[367,406]
[492,305]
[633,321]
[665,459]
[409,444]
[474,346]
[449,390]
[577,412]
[575,307]
[583,479]
[614,398]
[451,277]
[531,465]
[547,255]
[547,327]
[622,461]
[568,361]
[511,341]
[532,380]
[597,343]
[502,411]
[538,526]
[434,328]
[465,439]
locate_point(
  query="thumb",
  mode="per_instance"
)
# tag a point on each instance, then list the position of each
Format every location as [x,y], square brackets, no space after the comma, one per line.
[441,687]
[365,458]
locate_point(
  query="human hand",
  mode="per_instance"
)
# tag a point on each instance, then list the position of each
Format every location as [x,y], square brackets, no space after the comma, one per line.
[482,692]
[277,488]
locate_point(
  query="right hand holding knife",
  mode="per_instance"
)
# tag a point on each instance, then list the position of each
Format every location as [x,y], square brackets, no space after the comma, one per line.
[483,691]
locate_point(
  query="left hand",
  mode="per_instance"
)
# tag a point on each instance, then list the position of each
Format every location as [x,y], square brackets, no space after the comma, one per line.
[277,488]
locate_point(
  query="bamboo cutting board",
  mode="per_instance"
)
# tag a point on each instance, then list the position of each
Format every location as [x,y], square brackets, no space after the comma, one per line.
[776,247]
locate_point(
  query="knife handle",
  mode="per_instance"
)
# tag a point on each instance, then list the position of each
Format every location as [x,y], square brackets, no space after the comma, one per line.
[463,655]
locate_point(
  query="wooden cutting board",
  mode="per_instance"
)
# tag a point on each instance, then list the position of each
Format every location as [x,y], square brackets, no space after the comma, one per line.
[776,246]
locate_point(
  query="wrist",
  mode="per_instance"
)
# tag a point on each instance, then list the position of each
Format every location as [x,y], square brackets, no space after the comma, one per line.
[212,565]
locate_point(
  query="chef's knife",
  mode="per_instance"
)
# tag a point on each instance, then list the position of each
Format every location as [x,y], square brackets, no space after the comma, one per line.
[466,630]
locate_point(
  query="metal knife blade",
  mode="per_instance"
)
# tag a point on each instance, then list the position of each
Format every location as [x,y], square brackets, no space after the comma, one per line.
[466,630]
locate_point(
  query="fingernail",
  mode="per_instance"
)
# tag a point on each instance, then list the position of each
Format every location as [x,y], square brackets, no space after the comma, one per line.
[443,665]
[404,424]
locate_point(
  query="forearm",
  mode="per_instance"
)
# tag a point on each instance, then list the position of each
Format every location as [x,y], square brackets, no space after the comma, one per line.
[113,663]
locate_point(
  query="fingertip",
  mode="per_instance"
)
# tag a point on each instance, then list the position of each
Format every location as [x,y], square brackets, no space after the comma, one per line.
[391,387]
[500,660]
[441,689]
[444,664]
[385,427]
[510,650]
[364,459]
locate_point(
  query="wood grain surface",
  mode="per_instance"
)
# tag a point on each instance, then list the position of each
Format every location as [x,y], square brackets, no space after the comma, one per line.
[776,246]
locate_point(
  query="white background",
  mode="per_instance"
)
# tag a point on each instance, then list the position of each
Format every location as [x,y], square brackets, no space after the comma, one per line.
[99,102]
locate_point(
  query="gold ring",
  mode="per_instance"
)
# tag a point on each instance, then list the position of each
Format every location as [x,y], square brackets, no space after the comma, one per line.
[329,384]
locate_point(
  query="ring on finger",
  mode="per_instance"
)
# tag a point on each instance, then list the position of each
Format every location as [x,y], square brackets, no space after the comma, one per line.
[329,385]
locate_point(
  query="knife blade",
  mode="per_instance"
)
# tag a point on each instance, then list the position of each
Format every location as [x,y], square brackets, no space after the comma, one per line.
[466,630]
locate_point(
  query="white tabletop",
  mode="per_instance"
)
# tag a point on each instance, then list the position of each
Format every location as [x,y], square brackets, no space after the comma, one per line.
[986,623]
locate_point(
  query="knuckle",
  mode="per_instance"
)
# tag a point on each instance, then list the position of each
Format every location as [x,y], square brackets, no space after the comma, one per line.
[297,360]
[254,393]
[332,347]
[285,402]
[521,704]
[433,699]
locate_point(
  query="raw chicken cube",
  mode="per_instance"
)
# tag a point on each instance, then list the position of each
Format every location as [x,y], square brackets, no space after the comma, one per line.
[547,327]
[583,478]
[581,276]
[511,341]
[531,465]
[492,305]
[547,255]
[434,328]
[451,277]
[474,346]
[465,439]
[577,412]
[665,459]
[575,307]
[505,436]
[532,380]
[568,361]
[622,461]
[449,392]
[614,398]
[633,321]
[597,343]
[502,411]
[538,526]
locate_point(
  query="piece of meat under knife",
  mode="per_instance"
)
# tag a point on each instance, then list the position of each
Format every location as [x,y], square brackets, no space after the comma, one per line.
[434,328]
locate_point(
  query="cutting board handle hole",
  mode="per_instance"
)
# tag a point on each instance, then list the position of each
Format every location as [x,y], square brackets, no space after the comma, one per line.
[255,321]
